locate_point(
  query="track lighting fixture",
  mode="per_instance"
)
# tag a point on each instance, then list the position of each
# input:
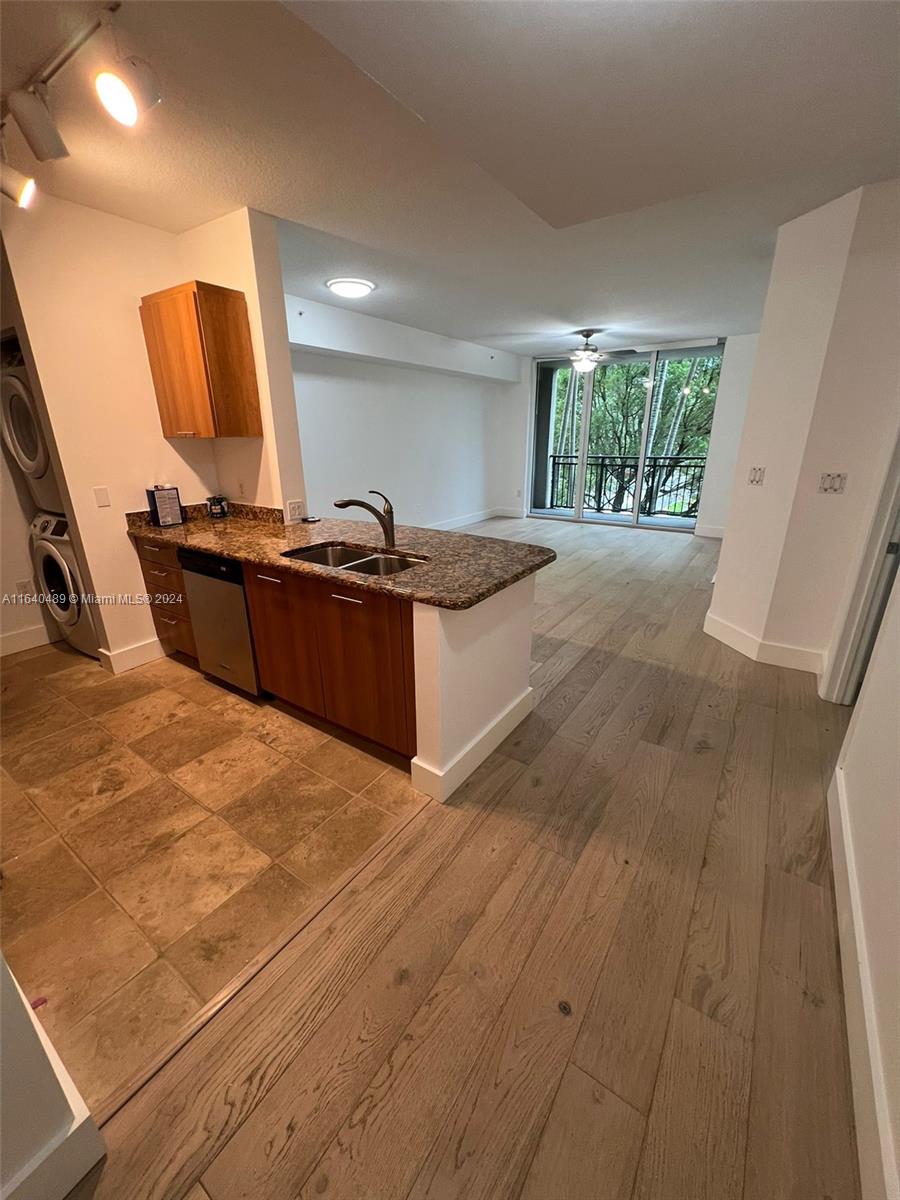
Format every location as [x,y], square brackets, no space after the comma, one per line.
[127,90]
[17,187]
[37,125]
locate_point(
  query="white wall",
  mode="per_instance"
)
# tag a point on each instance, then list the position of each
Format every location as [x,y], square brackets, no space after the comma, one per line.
[21,626]
[80,275]
[855,428]
[240,251]
[422,437]
[316,326]
[49,1140]
[823,398]
[725,436]
[865,829]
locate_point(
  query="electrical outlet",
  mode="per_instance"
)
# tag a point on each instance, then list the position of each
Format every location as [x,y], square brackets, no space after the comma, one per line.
[24,587]
[833,481]
[296,510]
[757,475]
[101,495]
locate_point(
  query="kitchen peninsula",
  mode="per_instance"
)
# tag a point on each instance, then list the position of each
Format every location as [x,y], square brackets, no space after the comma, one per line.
[429,658]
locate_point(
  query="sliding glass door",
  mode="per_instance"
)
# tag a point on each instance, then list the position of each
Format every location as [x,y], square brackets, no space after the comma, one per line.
[625,443]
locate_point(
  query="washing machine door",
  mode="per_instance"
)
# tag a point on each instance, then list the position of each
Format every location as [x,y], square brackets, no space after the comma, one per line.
[56,584]
[21,427]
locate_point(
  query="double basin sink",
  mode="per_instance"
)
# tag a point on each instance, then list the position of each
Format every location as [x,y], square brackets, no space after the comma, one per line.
[351,558]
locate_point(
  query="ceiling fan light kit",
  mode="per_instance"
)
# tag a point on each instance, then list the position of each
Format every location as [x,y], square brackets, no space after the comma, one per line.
[586,357]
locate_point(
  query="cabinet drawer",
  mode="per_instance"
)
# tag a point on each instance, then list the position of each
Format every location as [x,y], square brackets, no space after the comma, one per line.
[166,556]
[166,586]
[173,631]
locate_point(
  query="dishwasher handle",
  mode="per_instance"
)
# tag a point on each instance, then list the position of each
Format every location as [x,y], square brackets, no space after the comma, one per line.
[211,565]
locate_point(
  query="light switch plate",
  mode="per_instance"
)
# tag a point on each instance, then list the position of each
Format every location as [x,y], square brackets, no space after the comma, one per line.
[24,587]
[834,482]
[101,496]
[296,510]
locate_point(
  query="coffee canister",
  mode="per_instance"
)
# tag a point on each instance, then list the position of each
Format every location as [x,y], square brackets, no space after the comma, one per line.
[217,506]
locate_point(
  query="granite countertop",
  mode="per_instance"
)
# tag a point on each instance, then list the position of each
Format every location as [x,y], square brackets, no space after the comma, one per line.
[461,571]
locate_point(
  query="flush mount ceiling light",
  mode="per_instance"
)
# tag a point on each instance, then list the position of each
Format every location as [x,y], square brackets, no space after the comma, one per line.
[17,187]
[127,90]
[586,357]
[350,289]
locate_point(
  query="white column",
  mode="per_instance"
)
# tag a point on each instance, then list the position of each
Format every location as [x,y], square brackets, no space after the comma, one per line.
[472,688]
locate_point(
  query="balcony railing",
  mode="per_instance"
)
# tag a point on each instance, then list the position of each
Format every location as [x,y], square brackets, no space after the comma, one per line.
[671,486]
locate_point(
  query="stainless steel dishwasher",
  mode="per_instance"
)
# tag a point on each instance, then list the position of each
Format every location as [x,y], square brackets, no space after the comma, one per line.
[215,594]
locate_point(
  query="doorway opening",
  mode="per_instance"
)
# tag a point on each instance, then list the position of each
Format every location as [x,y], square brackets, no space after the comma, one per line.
[626,442]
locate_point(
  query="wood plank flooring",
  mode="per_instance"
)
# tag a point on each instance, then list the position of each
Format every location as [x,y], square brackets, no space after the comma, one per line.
[607,970]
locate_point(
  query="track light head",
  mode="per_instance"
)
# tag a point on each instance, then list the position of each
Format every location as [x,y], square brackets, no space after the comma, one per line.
[127,90]
[17,187]
[37,125]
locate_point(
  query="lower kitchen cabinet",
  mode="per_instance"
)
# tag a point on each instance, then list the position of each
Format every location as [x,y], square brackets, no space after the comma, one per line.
[283,619]
[365,650]
[337,651]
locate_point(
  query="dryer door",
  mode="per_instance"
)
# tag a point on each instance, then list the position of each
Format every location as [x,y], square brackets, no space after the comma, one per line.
[56,584]
[21,427]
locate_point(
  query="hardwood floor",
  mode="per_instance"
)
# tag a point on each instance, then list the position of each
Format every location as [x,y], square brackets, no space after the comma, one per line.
[607,970]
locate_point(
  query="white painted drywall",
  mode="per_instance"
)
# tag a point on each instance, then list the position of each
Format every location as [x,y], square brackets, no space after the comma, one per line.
[725,436]
[854,429]
[435,443]
[324,327]
[49,1140]
[823,398]
[21,625]
[471,684]
[80,275]
[868,826]
[240,251]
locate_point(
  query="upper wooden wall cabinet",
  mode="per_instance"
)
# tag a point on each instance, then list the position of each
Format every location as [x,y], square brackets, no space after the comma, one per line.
[201,360]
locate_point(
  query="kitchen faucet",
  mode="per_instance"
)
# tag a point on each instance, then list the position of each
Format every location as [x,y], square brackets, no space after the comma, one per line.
[385,518]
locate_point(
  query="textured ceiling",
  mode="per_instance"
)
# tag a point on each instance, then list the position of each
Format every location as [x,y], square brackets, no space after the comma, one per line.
[583,110]
[261,110]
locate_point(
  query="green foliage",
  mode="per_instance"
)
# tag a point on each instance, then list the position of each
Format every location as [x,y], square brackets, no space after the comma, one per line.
[680,423]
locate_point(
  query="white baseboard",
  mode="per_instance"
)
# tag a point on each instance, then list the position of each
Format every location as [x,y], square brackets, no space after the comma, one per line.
[473,518]
[878,1168]
[441,784]
[710,531]
[129,657]
[777,654]
[15,640]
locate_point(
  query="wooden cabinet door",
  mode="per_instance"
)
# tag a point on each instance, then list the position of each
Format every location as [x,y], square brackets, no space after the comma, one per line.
[178,364]
[283,620]
[229,361]
[366,665]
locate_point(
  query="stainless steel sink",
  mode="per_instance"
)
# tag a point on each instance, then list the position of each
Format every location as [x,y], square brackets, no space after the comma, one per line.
[329,554]
[351,558]
[383,564]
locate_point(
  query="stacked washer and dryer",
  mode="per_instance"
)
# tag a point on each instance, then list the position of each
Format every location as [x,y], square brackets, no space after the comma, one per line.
[56,571]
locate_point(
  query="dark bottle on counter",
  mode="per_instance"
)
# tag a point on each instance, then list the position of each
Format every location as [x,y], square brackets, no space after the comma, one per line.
[217,506]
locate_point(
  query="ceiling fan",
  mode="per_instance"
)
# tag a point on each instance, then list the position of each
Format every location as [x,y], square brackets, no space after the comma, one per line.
[586,357]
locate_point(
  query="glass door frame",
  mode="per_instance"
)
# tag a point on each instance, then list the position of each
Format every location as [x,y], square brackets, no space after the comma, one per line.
[587,407]
[587,378]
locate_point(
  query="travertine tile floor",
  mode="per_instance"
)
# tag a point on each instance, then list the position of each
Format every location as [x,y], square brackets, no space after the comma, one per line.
[158,833]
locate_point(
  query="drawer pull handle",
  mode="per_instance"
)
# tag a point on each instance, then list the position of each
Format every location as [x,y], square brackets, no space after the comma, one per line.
[168,621]
[269,578]
[155,549]
[346,599]
[161,574]
[186,433]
